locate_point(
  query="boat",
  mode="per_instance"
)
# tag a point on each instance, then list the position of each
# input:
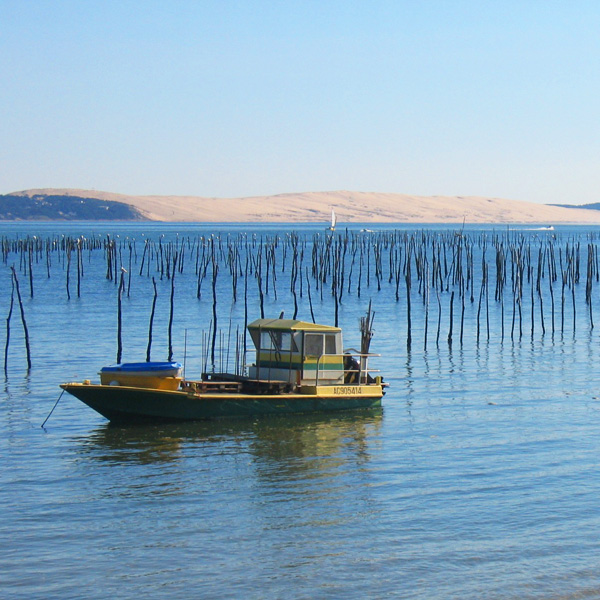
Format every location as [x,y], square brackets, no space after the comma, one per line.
[300,367]
[333,220]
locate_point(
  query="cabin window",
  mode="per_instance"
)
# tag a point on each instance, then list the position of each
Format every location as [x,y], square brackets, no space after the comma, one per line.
[313,344]
[330,344]
[277,340]
[265,340]
[286,342]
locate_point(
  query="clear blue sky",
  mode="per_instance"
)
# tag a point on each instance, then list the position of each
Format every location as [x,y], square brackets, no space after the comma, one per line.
[224,98]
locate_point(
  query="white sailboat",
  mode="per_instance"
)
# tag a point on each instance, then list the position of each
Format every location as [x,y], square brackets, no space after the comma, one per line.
[333,221]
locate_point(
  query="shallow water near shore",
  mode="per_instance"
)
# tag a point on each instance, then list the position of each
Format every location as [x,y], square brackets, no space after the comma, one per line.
[479,477]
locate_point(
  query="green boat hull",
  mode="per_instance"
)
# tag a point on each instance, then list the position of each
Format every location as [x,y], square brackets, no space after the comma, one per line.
[128,404]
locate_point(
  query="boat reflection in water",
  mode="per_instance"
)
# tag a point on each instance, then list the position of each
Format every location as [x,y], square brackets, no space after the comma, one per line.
[268,439]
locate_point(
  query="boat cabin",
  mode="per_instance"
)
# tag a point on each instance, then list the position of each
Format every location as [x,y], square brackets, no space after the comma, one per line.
[297,352]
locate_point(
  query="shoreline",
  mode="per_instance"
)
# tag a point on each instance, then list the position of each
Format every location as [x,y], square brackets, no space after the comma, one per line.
[349,206]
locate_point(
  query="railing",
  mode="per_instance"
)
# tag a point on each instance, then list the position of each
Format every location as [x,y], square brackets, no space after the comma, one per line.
[361,369]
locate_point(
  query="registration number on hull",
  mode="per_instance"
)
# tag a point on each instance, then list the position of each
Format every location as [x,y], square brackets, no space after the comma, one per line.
[347,390]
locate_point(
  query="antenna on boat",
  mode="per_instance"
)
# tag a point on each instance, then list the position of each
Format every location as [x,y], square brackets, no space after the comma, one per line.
[184,350]
[366,333]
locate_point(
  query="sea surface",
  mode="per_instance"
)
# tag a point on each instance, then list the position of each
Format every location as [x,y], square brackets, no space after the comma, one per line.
[479,477]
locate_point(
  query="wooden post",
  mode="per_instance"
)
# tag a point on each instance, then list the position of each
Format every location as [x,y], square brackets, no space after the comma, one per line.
[25,330]
[10,310]
[151,321]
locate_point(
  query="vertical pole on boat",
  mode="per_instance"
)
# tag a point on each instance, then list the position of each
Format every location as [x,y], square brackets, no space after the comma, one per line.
[228,346]
[258,352]
[170,358]
[184,350]
[366,330]
[245,313]
[238,344]
[214,290]
[119,320]
[259,281]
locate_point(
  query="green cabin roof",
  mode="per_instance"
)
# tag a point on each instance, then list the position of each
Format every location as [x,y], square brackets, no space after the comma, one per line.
[291,325]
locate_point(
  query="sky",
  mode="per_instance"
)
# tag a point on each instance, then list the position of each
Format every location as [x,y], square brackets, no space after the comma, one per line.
[245,98]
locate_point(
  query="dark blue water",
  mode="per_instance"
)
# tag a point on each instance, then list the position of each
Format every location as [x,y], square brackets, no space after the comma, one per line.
[479,478]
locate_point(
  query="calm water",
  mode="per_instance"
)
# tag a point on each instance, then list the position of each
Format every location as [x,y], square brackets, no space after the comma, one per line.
[480,477]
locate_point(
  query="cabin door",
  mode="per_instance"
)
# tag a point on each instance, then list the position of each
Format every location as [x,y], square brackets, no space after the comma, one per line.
[321,362]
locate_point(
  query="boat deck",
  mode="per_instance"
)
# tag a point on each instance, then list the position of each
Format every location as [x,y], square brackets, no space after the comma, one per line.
[227,382]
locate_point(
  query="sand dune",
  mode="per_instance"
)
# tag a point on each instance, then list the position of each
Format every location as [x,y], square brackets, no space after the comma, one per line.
[362,207]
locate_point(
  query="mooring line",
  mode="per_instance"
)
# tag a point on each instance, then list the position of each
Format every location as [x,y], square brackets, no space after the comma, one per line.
[55,404]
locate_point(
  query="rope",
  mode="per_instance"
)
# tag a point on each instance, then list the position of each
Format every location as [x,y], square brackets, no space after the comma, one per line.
[55,404]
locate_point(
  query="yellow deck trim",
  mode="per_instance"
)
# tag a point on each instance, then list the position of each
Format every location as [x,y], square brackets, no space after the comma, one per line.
[321,391]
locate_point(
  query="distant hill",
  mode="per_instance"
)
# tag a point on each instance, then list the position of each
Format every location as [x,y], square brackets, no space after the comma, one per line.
[49,207]
[296,207]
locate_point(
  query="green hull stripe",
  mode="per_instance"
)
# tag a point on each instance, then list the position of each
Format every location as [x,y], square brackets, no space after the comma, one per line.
[131,404]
